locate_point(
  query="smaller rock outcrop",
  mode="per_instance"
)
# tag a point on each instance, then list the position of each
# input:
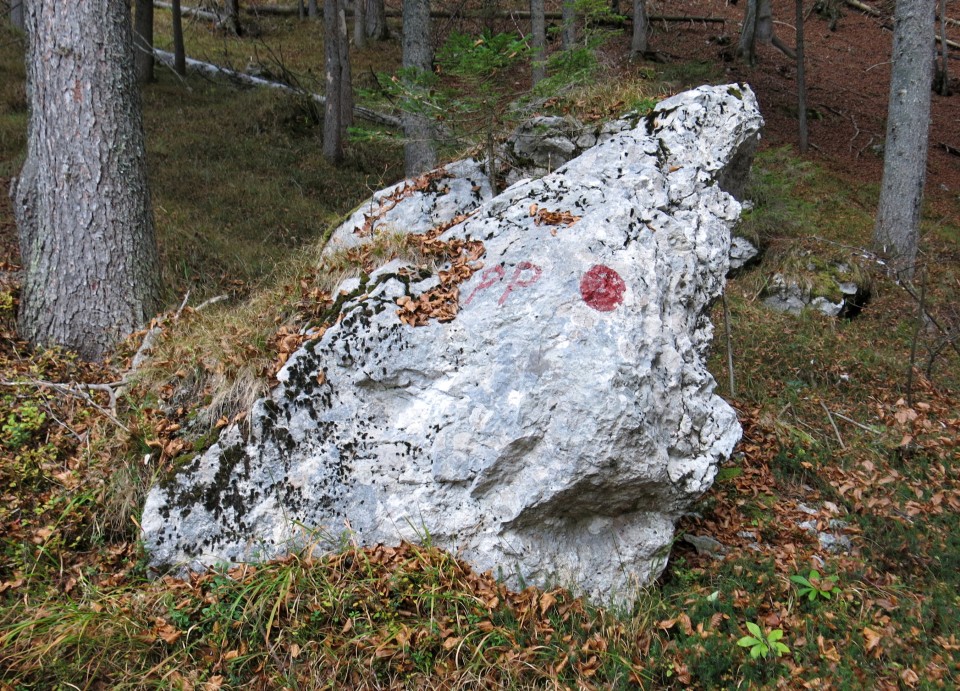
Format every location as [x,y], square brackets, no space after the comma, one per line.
[836,289]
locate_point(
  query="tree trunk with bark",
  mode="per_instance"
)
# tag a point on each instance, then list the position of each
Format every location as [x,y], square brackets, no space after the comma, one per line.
[641,30]
[746,47]
[346,74]
[91,272]
[16,14]
[758,27]
[313,11]
[143,41]
[896,234]
[377,28]
[801,83]
[942,77]
[538,40]
[231,18]
[419,152]
[338,109]
[359,24]
[569,21]
[179,52]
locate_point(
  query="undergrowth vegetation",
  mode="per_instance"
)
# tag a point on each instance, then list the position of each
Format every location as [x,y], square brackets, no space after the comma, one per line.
[831,532]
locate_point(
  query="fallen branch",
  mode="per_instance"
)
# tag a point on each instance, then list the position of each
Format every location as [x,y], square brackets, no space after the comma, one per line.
[833,424]
[872,11]
[75,390]
[952,44]
[190,12]
[216,71]
[857,424]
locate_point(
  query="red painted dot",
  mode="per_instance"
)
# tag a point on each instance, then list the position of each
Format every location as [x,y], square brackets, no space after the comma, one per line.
[602,288]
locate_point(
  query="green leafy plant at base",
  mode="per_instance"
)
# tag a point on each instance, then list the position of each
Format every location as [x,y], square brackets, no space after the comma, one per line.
[760,644]
[815,586]
[23,422]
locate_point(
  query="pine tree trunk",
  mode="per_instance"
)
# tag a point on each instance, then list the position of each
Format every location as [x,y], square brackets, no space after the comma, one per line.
[746,48]
[538,42]
[346,77]
[896,233]
[81,202]
[377,28]
[332,131]
[143,41]
[942,77]
[231,22]
[359,24]
[569,30]
[179,52]
[641,29]
[312,10]
[801,83]
[419,154]
[16,14]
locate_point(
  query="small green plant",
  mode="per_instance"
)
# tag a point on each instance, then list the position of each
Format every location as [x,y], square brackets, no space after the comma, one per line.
[815,586]
[761,644]
[23,422]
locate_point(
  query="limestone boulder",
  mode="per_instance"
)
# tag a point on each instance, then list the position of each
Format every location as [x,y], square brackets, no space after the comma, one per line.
[539,406]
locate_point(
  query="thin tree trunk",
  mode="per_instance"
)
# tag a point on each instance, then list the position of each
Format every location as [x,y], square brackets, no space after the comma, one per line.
[312,10]
[746,48]
[231,22]
[301,10]
[896,233]
[377,28]
[641,29]
[538,43]
[942,79]
[346,78]
[179,52]
[332,130]
[569,21]
[16,14]
[801,82]
[359,24]
[143,41]
[81,201]
[419,154]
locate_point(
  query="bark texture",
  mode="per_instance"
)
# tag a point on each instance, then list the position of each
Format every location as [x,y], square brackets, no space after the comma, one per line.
[359,24]
[231,19]
[569,32]
[748,32]
[377,28]
[908,122]
[538,40]
[179,52]
[143,41]
[801,83]
[338,110]
[16,14]
[419,152]
[641,29]
[91,273]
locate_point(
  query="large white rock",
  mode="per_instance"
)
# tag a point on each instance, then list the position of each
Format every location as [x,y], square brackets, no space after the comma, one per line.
[554,430]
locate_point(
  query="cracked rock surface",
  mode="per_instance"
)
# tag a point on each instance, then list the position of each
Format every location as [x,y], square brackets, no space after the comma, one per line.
[554,430]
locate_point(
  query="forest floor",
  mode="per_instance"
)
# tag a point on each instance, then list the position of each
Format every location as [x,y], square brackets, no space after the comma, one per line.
[839,441]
